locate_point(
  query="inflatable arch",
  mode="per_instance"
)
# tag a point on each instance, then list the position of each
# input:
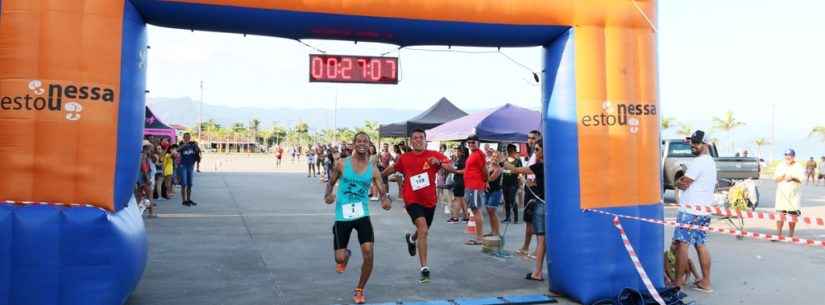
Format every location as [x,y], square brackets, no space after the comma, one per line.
[72,83]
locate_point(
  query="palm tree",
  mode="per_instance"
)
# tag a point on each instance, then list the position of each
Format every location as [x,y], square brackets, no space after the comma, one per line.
[279,133]
[818,131]
[302,130]
[238,131]
[759,143]
[668,123]
[727,123]
[371,128]
[685,130]
[254,126]
[345,135]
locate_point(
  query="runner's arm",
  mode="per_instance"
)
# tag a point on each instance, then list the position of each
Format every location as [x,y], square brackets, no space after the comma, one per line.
[515,170]
[378,182]
[388,171]
[336,172]
[450,168]
[496,172]
[684,182]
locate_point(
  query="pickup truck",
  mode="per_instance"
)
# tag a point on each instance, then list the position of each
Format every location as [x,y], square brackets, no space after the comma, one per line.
[676,156]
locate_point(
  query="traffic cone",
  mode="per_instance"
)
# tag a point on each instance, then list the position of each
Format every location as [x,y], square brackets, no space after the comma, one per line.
[471,227]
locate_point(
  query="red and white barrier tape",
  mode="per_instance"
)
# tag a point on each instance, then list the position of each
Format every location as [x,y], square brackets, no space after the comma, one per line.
[636,263]
[819,221]
[733,232]
[71,205]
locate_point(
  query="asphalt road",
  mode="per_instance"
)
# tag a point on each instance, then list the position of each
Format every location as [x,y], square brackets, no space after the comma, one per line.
[261,236]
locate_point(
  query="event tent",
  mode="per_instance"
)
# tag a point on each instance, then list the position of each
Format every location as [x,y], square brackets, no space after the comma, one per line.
[507,123]
[441,112]
[152,126]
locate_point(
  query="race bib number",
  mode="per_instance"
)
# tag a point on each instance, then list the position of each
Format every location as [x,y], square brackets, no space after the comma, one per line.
[420,181]
[353,210]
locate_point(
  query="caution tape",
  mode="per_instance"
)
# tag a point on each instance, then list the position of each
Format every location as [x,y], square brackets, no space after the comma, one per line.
[733,232]
[70,205]
[637,263]
[819,221]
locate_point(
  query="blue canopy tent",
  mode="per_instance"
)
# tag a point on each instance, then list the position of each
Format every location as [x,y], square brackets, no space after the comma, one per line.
[507,123]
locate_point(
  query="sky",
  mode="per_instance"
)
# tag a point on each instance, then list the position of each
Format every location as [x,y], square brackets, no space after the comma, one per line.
[759,59]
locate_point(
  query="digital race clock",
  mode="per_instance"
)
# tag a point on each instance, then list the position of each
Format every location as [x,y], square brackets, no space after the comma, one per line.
[353,69]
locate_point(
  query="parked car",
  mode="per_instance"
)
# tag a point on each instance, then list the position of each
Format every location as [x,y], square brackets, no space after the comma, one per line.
[676,156]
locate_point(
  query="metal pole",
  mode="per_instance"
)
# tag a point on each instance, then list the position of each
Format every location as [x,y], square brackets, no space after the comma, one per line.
[200,114]
[335,118]
[773,128]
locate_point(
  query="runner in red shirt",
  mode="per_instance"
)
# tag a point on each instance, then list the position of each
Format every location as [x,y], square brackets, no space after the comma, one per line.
[419,168]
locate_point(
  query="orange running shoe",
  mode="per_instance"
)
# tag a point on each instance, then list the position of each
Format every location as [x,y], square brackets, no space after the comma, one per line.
[341,267]
[358,296]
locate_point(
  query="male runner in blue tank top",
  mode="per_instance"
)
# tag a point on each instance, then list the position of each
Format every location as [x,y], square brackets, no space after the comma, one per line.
[355,175]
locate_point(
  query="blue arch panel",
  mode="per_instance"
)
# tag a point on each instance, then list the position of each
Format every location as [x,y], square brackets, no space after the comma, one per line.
[587,260]
[300,25]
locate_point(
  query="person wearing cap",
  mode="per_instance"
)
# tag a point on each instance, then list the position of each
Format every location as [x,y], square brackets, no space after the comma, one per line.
[788,175]
[698,186]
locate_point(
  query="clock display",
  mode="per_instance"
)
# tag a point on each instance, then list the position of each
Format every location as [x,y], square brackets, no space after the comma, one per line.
[353,69]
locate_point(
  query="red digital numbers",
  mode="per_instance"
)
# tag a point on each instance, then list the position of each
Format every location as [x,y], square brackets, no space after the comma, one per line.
[353,69]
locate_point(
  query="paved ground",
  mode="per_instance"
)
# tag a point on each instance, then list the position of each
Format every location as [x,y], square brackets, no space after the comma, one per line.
[263,237]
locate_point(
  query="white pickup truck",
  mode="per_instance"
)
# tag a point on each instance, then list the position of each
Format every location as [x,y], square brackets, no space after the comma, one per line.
[676,156]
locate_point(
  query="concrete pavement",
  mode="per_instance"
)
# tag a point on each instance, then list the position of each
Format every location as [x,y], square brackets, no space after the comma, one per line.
[264,237]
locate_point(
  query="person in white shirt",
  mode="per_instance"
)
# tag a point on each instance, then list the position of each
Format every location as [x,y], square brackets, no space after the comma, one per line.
[697,185]
[788,176]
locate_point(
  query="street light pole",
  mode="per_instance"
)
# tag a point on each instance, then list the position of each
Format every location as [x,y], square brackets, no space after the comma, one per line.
[200,116]
[335,118]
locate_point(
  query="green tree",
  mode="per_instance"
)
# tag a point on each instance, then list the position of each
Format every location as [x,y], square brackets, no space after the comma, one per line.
[278,134]
[727,124]
[345,135]
[685,130]
[299,134]
[326,135]
[255,127]
[668,123]
[818,131]
[371,128]
[759,142]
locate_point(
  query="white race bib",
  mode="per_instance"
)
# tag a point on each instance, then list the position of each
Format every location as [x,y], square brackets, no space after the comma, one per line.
[353,210]
[420,181]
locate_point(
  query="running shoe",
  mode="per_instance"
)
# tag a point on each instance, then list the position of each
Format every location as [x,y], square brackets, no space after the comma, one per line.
[452,220]
[358,296]
[192,202]
[410,244]
[425,275]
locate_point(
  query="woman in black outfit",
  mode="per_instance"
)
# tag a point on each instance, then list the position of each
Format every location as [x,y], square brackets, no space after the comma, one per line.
[458,186]
[535,205]
[510,185]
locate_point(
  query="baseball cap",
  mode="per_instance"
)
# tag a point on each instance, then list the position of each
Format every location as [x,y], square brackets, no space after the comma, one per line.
[698,137]
[147,143]
[790,152]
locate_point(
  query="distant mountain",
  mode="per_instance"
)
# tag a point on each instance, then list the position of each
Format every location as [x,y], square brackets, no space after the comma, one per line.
[184,111]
